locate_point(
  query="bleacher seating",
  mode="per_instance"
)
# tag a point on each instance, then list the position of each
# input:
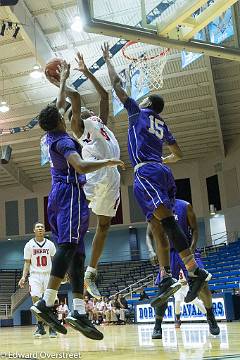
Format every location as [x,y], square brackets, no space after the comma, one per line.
[223,262]
[8,284]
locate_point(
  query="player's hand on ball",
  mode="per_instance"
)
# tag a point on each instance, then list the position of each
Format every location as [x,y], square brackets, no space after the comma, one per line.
[63,71]
[116,162]
[22,282]
[81,64]
[52,79]
[106,51]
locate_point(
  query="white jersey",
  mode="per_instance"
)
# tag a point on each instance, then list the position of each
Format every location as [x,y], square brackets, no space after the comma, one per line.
[40,254]
[98,141]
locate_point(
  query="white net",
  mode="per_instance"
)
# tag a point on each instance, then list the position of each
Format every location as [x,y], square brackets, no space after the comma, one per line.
[149,61]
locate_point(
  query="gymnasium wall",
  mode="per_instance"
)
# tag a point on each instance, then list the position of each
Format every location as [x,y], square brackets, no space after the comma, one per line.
[20,208]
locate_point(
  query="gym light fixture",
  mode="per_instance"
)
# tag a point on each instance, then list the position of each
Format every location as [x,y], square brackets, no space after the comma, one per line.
[4,107]
[77,24]
[36,72]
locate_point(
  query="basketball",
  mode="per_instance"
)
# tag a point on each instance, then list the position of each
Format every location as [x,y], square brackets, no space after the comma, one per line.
[52,67]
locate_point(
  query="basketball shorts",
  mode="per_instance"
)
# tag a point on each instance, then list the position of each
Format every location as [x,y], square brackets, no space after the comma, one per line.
[68,214]
[154,185]
[38,283]
[102,190]
[177,264]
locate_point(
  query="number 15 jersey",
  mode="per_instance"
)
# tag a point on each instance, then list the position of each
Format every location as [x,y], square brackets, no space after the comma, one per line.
[40,254]
[146,134]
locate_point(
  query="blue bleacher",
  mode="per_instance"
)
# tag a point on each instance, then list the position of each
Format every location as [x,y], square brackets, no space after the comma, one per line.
[224,265]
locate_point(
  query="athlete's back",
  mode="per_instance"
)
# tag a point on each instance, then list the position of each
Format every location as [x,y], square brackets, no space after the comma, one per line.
[146,134]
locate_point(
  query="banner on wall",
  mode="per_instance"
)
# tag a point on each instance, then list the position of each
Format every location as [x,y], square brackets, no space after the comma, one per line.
[221,28]
[189,57]
[44,150]
[139,83]
[189,312]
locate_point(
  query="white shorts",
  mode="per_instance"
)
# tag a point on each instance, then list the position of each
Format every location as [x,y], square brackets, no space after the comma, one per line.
[102,190]
[38,283]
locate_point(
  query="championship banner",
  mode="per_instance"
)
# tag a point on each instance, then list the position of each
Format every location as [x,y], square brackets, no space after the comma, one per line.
[221,28]
[144,313]
[44,150]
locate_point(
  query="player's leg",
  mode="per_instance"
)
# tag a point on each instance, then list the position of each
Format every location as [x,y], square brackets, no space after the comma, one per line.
[63,210]
[159,312]
[78,318]
[206,296]
[35,287]
[105,198]
[103,225]
[45,280]
[178,299]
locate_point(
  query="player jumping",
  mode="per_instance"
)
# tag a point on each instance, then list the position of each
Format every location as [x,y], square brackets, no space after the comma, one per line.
[154,185]
[187,221]
[68,212]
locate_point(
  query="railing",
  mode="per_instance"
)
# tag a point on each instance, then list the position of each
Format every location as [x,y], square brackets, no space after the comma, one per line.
[5,310]
[18,297]
[130,289]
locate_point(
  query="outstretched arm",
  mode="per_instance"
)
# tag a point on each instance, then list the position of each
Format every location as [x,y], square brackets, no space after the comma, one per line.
[104,98]
[64,90]
[114,77]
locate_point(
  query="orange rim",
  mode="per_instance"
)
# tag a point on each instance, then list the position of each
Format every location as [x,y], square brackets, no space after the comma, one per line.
[146,58]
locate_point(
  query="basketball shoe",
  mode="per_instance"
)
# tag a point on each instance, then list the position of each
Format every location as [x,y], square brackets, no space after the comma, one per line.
[47,315]
[52,333]
[195,283]
[167,287]
[213,326]
[84,325]
[90,284]
[157,333]
[40,331]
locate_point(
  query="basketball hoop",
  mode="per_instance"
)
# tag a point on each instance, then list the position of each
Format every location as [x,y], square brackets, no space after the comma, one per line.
[149,60]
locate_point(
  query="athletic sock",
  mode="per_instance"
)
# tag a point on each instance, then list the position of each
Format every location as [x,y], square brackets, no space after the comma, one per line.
[165,272]
[210,312]
[91,269]
[190,264]
[50,297]
[158,324]
[178,317]
[79,306]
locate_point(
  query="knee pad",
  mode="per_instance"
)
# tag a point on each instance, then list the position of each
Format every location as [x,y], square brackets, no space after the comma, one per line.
[62,259]
[175,233]
[76,273]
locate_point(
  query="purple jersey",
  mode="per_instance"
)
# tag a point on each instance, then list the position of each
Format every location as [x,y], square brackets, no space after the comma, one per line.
[180,213]
[146,134]
[60,146]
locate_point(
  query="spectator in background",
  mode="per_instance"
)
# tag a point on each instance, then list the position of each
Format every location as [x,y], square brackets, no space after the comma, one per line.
[89,307]
[123,308]
[62,311]
[143,295]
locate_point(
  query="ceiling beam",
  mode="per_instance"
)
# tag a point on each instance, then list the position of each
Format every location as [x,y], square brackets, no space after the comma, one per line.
[208,15]
[18,175]
[20,13]
[176,14]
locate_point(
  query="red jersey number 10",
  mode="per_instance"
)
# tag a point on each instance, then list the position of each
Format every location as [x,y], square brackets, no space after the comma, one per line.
[41,261]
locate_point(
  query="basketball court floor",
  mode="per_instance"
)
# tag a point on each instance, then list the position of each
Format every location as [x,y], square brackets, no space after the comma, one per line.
[192,341]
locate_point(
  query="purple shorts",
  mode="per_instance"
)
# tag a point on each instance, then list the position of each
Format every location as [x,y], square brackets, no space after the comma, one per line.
[68,214]
[177,264]
[154,185]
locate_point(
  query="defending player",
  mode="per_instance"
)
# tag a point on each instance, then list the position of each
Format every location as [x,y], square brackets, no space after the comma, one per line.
[102,188]
[38,253]
[186,219]
[154,185]
[68,212]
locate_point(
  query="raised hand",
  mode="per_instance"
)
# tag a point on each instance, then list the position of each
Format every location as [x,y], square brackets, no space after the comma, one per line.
[63,71]
[81,64]
[106,51]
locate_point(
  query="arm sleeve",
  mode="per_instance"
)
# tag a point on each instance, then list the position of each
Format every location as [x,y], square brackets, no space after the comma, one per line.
[53,249]
[27,252]
[65,147]
[133,110]
[168,136]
